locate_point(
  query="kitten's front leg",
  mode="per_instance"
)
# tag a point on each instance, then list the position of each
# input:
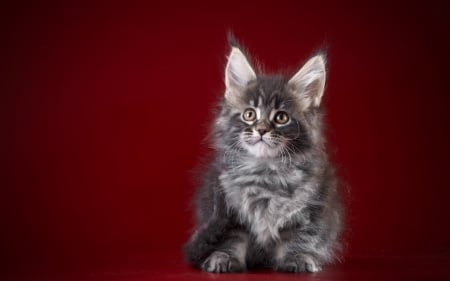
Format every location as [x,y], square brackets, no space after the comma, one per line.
[230,255]
[295,255]
[296,262]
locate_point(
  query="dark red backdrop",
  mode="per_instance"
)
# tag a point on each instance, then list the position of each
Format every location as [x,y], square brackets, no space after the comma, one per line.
[104,108]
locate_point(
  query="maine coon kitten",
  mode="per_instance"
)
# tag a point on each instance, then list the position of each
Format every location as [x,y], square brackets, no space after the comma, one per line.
[269,196]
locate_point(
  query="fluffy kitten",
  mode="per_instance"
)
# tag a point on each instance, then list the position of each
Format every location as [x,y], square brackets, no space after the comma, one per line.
[269,196]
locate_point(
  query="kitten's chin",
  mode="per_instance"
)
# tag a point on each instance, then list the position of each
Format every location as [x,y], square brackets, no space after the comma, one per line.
[261,150]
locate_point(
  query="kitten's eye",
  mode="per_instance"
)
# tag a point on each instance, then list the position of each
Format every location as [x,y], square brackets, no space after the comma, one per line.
[281,118]
[249,115]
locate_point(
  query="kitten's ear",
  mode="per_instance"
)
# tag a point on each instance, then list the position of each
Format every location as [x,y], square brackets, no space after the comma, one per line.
[238,73]
[308,83]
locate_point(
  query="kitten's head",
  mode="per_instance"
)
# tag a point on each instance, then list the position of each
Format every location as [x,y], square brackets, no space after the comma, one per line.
[270,116]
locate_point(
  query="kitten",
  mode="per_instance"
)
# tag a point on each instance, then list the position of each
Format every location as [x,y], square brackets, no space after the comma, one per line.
[269,196]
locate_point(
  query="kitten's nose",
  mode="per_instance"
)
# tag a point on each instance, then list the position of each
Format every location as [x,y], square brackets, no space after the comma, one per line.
[262,131]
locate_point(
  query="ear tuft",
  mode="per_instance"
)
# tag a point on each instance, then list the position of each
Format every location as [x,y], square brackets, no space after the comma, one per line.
[232,41]
[238,73]
[308,83]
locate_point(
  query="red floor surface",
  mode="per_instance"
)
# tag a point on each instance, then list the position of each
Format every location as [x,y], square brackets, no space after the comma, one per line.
[171,267]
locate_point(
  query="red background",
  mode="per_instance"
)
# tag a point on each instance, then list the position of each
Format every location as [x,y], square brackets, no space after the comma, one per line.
[104,107]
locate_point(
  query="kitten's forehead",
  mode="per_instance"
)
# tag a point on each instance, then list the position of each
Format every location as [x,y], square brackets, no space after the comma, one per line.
[269,92]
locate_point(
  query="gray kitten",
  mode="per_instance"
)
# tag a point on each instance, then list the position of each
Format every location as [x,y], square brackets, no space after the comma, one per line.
[269,196]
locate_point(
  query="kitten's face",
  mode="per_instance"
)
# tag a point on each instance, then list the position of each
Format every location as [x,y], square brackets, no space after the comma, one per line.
[260,137]
[268,123]
[265,112]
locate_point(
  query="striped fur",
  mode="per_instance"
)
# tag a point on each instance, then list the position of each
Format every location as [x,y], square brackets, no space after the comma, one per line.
[269,196]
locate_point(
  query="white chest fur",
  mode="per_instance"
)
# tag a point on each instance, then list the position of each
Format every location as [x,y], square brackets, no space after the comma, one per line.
[266,196]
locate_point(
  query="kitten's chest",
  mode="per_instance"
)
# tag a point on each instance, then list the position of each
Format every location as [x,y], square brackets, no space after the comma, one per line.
[264,196]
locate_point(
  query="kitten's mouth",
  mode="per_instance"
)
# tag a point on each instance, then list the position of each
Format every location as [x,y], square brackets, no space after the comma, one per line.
[262,146]
[262,141]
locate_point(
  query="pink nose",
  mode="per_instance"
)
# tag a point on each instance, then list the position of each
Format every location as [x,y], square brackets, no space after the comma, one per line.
[262,131]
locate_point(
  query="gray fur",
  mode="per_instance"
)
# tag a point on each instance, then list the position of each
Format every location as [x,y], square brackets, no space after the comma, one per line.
[270,199]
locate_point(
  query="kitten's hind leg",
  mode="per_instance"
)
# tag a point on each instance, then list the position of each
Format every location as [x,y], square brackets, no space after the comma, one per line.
[204,241]
[230,256]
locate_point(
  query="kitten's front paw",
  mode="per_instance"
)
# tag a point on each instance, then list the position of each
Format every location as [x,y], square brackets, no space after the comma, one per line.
[303,263]
[220,262]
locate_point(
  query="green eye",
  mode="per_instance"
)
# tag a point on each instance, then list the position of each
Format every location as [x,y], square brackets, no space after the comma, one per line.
[281,118]
[249,115]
